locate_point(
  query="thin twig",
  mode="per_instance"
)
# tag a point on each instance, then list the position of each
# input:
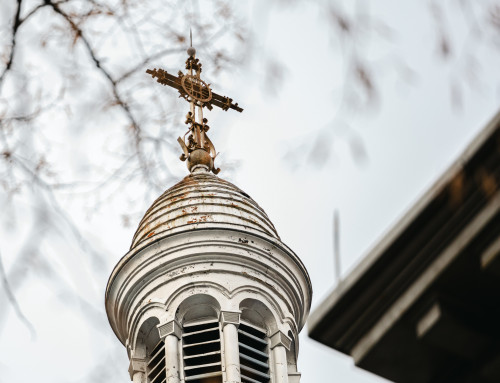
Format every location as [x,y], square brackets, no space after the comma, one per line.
[122,104]
[13,301]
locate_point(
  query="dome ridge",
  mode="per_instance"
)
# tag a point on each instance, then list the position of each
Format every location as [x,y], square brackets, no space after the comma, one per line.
[202,201]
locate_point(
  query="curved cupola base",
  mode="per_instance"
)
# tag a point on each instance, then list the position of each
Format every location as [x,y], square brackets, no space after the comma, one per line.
[214,300]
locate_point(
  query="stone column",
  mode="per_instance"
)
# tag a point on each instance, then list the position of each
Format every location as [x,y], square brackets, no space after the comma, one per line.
[137,370]
[280,343]
[138,377]
[230,321]
[170,333]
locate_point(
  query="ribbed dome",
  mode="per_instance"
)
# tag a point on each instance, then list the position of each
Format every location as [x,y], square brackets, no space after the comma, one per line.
[202,200]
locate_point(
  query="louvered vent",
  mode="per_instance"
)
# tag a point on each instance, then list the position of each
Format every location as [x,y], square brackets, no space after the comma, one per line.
[201,352]
[254,358]
[156,365]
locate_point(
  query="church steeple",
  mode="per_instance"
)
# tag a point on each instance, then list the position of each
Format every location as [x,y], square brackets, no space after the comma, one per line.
[197,148]
[208,292]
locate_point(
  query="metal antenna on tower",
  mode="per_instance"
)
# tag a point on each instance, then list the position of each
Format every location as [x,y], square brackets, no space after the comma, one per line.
[336,246]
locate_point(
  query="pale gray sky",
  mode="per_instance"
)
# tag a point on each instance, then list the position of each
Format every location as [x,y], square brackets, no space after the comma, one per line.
[410,139]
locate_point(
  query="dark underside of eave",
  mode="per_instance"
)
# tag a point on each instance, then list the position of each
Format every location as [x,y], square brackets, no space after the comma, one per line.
[463,344]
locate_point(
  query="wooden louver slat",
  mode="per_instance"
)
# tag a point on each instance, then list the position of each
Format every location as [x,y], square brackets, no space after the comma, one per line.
[253,337]
[252,350]
[203,376]
[246,379]
[253,360]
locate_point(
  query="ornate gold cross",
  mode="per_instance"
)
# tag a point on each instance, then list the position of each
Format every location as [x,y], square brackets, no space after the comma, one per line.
[197,147]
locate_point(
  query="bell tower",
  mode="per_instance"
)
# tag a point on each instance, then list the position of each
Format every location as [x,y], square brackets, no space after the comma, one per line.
[208,292]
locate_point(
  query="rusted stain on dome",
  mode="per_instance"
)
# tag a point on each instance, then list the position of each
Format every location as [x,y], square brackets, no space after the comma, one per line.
[202,200]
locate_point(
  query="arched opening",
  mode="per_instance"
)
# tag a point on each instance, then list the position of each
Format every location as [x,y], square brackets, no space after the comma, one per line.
[201,339]
[257,321]
[198,307]
[147,338]
[257,313]
[150,346]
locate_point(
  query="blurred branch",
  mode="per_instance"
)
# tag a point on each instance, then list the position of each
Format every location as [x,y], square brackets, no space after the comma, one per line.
[146,61]
[13,301]
[136,130]
[59,211]
[15,26]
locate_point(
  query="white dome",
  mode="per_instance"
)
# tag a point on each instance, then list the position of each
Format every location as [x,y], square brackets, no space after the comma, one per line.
[202,201]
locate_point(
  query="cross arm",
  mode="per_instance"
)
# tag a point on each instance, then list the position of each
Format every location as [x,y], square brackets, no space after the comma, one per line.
[224,102]
[165,78]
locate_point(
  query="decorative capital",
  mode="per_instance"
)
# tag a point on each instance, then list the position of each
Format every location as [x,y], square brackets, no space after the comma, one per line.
[294,377]
[280,339]
[169,328]
[136,365]
[227,317]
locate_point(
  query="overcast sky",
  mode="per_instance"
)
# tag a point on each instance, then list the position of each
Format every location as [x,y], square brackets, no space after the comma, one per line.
[410,135]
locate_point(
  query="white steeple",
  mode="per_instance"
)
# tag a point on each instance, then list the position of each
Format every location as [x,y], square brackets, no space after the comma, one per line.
[208,292]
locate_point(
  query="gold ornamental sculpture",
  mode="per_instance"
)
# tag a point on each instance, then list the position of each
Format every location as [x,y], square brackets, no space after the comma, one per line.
[196,146]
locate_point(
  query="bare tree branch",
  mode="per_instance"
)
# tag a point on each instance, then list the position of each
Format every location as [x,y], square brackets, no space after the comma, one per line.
[134,125]
[15,26]
[13,301]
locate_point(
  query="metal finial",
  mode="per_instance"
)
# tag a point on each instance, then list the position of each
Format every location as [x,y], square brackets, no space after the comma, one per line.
[197,148]
[191,51]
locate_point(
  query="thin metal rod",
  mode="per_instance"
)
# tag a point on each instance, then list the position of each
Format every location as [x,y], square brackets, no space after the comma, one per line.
[336,246]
